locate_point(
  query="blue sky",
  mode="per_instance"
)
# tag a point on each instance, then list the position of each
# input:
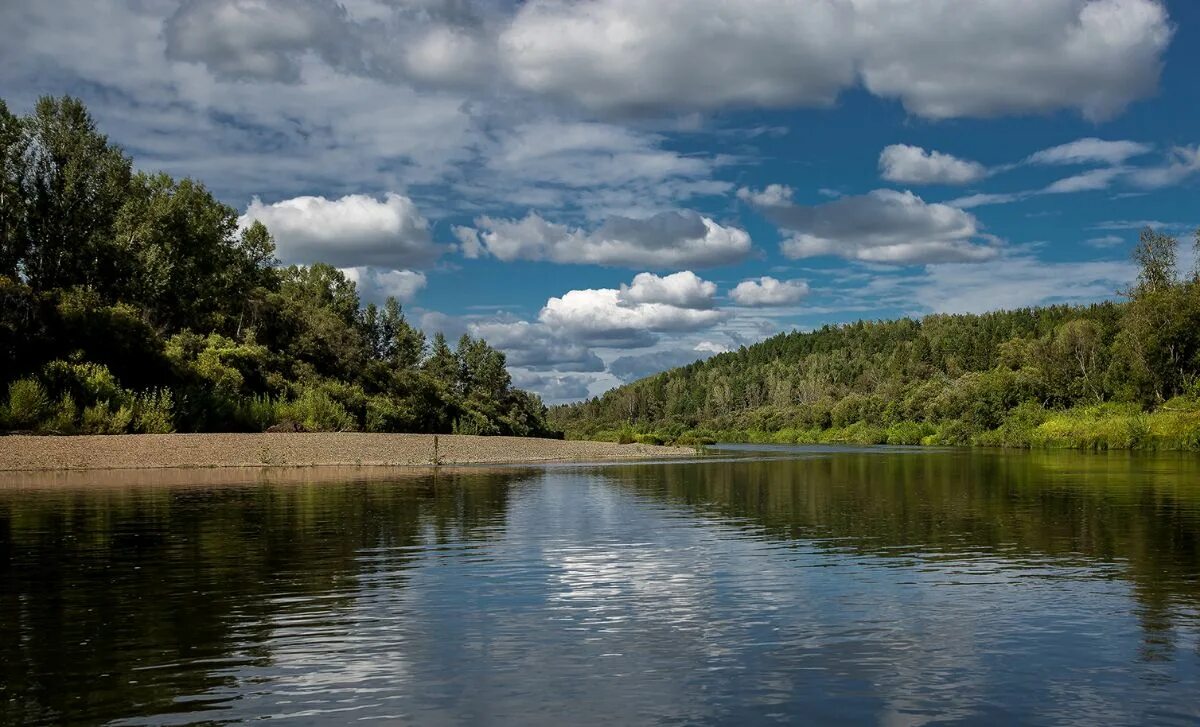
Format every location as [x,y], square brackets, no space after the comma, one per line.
[604,188]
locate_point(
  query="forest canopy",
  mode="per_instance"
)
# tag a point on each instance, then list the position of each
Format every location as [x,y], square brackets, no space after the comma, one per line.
[132,302]
[1110,375]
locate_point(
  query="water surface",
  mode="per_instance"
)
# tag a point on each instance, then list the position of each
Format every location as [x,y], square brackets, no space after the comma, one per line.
[897,587]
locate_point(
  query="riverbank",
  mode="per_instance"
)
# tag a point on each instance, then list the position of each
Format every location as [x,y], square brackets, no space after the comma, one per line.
[1174,428]
[158,451]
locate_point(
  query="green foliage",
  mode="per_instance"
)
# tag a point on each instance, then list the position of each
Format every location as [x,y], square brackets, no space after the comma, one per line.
[318,411]
[135,303]
[1111,375]
[63,419]
[103,418]
[153,412]
[27,403]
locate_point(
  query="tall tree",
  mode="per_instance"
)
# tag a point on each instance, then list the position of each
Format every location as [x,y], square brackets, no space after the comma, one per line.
[74,185]
[1156,254]
[183,260]
[13,237]
[441,363]
[403,345]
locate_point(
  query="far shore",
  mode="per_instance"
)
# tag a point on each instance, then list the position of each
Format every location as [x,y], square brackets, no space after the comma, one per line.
[19,453]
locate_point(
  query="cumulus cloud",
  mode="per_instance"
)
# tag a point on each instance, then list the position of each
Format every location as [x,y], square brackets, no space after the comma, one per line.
[535,346]
[628,55]
[665,240]
[553,388]
[768,291]
[259,39]
[914,165]
[601,317]
[682,290]
[353,231]
[1092,55]
[1091,151]
[639,366]
[884,226]
[770,196]
[376,284]
[940,58]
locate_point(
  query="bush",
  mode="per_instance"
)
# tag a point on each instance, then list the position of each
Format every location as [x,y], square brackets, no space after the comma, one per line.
[386,414]
[62,419]
[908,433]
[88,383]
[27,403]
[103,419]
[154,412]
[317,411]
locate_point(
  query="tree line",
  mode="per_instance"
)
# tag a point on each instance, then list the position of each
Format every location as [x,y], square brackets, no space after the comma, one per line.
[1115,374]
[132,302]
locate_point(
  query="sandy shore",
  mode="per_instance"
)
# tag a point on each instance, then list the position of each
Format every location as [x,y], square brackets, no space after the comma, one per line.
[154,451]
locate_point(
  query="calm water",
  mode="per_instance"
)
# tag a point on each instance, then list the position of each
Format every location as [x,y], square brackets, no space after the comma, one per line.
[875,587]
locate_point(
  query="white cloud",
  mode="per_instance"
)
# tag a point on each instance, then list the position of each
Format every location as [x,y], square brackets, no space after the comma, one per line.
[630,55]
[553,388]
[983,199]
[1105,241]
[376,284]
[947,58]
[711,347]
[600,317]
[259,39]
[638,366]
[353,231]
[1018,282]
[913,165]
[666,240]
[534,346]
[1091,151]
[1183,162]
[682,290]
[600,169]
[940,58]
[767,291]
[772,195]
[1090,181]
[884,226]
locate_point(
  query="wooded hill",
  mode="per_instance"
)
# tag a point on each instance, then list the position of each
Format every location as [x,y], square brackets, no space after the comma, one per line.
[1110,375]
[132,302]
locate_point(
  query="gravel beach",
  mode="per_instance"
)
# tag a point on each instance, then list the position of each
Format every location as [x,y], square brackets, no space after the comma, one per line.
[155,451]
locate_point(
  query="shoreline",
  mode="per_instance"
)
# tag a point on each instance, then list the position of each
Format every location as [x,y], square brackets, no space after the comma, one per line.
[32,453]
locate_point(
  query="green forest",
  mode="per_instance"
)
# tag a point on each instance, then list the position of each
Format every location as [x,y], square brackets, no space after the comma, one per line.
[132,302]
[1114,375]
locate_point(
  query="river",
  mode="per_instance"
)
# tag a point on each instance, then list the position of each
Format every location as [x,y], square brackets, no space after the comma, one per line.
[794,584]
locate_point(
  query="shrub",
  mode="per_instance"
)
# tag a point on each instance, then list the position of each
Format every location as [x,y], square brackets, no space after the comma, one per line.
[103,419]
[154,412]
[317,411]
[910,433]
[386,414]
[62,419]
[27,403]
[88,383]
